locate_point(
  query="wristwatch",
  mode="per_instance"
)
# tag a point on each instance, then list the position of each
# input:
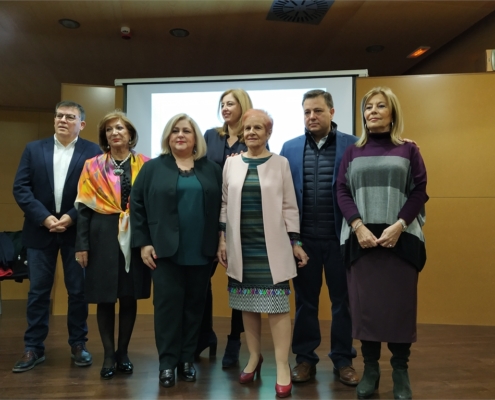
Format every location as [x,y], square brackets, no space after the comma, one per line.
[403,223]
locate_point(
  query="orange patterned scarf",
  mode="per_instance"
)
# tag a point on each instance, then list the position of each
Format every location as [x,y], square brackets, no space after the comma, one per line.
[99,189]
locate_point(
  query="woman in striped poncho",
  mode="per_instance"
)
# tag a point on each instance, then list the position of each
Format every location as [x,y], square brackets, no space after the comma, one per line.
[381,190]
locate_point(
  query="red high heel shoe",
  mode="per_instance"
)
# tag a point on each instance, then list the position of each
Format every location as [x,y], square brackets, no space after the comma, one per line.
[283,391]
[247,377]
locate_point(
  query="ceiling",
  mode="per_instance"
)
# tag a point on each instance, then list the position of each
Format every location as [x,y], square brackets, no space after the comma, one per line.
[231,37]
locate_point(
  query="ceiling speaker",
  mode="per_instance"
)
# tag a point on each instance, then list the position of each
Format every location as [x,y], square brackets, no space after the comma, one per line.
[299,11]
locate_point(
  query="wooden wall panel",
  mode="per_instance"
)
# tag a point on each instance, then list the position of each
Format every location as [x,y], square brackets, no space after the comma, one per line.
[17,128]
[456,286]
[450,116]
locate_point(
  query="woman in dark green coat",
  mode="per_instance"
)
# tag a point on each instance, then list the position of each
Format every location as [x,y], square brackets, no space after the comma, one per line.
[175,203]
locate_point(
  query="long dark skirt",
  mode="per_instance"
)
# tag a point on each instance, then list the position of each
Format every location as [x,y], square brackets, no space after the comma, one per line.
[383,297]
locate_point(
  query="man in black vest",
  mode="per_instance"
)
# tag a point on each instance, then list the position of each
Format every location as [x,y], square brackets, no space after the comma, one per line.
[314,160]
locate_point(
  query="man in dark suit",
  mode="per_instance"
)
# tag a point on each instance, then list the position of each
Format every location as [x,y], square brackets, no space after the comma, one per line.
[45,188]
[314,160]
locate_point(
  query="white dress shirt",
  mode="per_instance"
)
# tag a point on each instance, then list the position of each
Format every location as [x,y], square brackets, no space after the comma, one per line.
[61,160]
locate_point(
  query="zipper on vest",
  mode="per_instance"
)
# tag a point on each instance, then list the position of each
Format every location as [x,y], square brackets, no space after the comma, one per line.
[315,202]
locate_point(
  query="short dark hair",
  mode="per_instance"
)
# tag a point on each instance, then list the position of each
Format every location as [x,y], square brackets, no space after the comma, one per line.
[102,134]
[72,104]
[267,119]
[317,93]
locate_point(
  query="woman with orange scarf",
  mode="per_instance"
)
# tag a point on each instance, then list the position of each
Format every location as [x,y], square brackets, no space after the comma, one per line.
[112,270]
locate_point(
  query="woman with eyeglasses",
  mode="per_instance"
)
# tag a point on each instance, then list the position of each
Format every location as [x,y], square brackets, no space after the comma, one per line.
[113,271]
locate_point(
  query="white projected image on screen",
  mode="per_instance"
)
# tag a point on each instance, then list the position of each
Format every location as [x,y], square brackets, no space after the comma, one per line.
[149,105]
[283,105]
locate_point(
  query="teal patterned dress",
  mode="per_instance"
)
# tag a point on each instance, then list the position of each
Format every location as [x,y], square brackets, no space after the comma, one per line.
[256,292]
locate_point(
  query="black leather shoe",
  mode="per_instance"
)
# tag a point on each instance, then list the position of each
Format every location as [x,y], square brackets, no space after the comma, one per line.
[186,372]
[28,361]
[167,377]
[107,373]
[124,365]
[81,356]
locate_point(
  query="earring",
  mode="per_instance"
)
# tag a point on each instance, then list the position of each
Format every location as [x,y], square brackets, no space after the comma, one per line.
[108,147]
[130,141]
[391,124]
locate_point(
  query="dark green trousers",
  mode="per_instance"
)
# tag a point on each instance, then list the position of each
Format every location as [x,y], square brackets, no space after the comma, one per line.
[179,293]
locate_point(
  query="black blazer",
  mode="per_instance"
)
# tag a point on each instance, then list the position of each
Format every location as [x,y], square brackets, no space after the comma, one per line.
[154,213]
[216,146]
[34,190]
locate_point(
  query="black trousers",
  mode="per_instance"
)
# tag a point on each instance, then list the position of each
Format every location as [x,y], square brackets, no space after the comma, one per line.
[179,293]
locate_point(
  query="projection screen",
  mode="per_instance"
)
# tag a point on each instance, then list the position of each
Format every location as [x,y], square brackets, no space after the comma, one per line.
[150,103]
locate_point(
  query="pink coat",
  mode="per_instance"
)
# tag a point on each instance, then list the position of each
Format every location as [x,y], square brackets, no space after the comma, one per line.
[280,214]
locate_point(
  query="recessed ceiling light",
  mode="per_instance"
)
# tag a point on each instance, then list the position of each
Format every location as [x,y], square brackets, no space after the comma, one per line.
[376,48]
[69,23]
[419,52]
[179,32]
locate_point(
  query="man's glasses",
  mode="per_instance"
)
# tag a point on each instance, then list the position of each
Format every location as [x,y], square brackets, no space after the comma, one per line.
[68,117]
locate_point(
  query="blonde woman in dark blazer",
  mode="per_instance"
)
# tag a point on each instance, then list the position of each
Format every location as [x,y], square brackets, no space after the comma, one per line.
[175,203]
[222,143]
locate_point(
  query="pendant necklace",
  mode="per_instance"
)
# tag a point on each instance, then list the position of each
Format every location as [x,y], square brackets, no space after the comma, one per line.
[118,170]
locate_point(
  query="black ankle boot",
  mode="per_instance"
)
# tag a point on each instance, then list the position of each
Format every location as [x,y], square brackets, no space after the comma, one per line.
[369,382]
[231,356]
[400,376]
[402,386]
[206,340]
[371,376]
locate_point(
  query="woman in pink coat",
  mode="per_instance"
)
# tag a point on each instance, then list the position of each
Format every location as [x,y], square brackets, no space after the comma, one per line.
[259,240]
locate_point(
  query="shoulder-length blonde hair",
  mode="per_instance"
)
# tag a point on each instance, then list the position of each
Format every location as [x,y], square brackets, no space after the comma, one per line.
[245,103]
[102,125]
[397,122]
[199,147]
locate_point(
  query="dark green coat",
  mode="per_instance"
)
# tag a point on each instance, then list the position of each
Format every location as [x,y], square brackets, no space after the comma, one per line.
[154,214]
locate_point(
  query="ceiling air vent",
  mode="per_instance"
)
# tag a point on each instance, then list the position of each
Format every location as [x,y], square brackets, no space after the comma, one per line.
[300,11]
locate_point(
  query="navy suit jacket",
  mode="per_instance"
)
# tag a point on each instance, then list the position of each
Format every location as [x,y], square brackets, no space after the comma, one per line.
[293,150]
[34,190]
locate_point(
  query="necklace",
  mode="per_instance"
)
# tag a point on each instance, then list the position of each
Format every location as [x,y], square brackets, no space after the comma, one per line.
[118,170]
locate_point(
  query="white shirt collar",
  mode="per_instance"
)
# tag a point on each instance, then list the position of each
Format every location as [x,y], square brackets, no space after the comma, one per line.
[59,144]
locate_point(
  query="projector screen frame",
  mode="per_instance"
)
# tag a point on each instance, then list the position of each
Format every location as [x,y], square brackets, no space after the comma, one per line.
[247,78]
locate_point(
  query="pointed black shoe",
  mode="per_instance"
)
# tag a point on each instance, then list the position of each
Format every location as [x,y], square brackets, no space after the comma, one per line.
[167,377]
[186,372]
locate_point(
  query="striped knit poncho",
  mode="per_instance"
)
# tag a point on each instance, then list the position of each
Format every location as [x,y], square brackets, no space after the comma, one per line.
[380,183]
